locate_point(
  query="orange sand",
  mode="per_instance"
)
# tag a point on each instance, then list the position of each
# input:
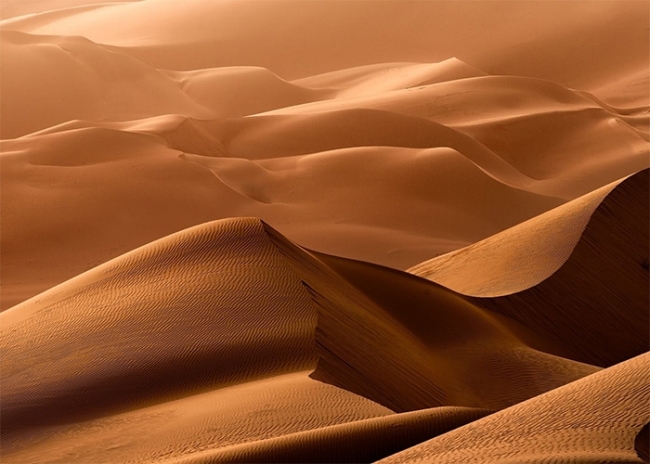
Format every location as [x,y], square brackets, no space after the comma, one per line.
[316,231]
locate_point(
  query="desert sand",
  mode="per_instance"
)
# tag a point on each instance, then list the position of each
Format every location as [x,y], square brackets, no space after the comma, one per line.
[324,231]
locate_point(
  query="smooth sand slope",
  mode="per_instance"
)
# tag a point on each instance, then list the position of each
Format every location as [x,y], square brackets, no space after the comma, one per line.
[208,207]
[588,45]
[299,110]
[596,301]
[155,335]
[175,316]
[595,419]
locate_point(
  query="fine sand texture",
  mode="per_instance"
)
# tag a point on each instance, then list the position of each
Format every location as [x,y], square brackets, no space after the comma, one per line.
[535,431]
[324,231]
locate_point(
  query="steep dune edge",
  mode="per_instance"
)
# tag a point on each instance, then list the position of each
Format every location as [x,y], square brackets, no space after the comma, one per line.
[549,237]
[409,344]
[597,302]
[595,419]
[570,274]
[175,316]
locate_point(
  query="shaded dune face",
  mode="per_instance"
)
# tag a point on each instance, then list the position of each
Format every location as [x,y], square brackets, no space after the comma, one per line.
[208,209]
[597,302]
[409,344]
[362,441]
[641,443]
[577,274]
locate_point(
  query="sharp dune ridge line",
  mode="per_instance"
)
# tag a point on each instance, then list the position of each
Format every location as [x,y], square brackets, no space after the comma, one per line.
[290,231]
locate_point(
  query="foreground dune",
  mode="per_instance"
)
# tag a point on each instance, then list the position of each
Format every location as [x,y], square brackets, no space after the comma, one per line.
[595,419]
[208,208]
[161,326]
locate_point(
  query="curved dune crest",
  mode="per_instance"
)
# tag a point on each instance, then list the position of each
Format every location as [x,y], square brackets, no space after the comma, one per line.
[586,268]
[594,419]
[177,315]
[242,90]
[360,441]
[410,344]
[94,83]
[597,302]
[550,238]
[385,77]
[207,208]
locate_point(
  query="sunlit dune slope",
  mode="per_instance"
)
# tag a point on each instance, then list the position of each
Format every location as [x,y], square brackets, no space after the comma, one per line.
[385,77]
[175,316]
[221,420]
[238,91]
[233,301]
[579,272]
[595,419]
[156,176]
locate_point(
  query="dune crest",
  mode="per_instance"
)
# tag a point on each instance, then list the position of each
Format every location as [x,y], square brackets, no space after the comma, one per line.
[324,231]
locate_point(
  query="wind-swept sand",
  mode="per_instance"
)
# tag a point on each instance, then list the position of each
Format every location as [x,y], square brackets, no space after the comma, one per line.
[599,269]
[208,208]
[595,419]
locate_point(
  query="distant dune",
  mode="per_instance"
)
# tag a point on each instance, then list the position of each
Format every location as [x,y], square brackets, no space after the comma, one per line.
[314,231]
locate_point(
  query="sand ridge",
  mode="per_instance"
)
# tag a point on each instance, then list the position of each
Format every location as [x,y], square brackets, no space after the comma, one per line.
[291,231]
[535,431]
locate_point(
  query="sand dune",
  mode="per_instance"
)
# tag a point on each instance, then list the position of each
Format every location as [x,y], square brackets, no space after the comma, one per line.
[93,82]
[147,177]
[201,424]
[537,431]
[607,240]
[241,90]
[360,441]
[157,319]
[537,42]
[148,313]
[208,207]
[369,329]
[380,78]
